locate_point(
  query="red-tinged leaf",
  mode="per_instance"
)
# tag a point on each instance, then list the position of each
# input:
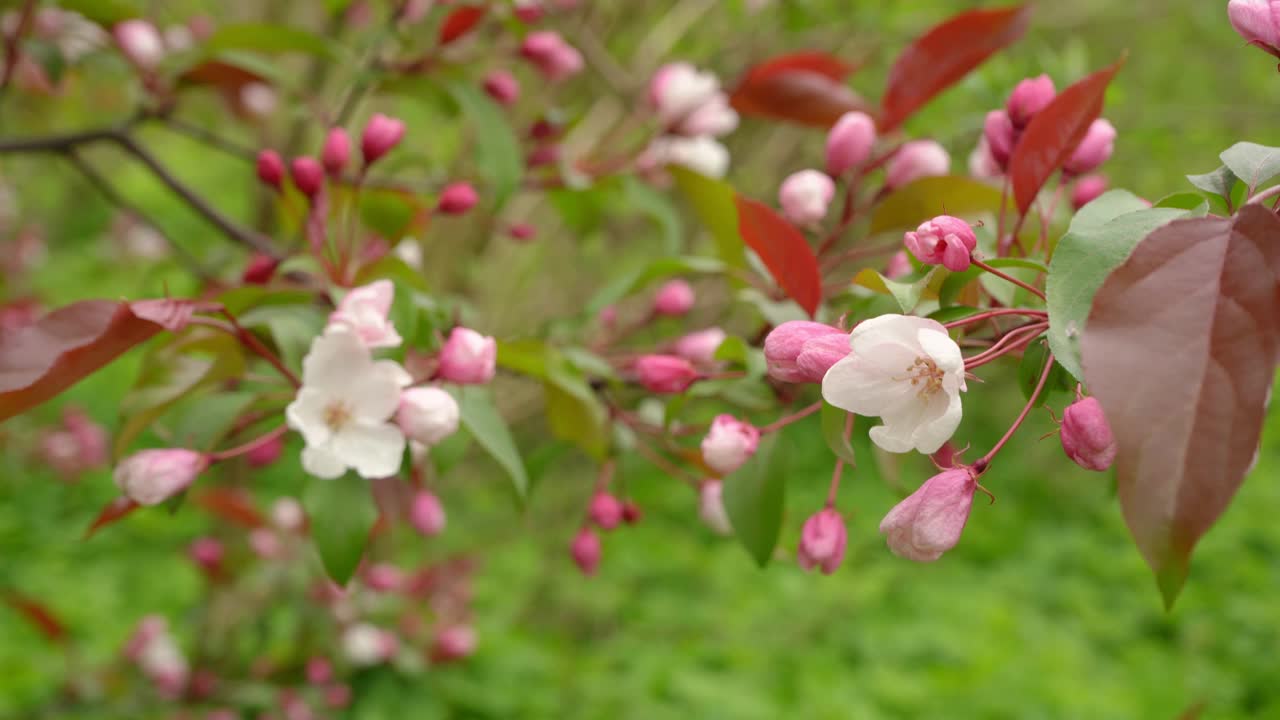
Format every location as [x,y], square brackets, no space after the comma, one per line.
[39,361]
[113,512]
[783,250]
[460,22]
[172,315]
[944,55]
[1054,133]
[806,88]
[1180,349]
[38,615]
[224,76]
[234,506]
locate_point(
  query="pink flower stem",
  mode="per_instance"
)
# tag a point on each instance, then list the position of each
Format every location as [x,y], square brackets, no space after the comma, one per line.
[1029,288]
[846,218]
[1004,199]
[1023,334]
[249,446]
[1264,195]
[995,313]
[782,422]
[985,461]
[605,478]
[860,253]
[835,474]
[1046,217]
[660,462]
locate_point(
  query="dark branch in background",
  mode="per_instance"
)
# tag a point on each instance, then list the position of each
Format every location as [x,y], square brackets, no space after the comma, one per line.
[213,140]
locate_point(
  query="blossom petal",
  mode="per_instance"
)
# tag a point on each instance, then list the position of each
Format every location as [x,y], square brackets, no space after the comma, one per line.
[892,438]
[306,415]
[374,451]
[944,351]
[933,433]
[374,396]
[852,385]
[334,359]
[897,329]
[318,460]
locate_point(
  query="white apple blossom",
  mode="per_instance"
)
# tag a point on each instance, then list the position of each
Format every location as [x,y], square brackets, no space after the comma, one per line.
[711,507]
[907,371]
[679,89]
[364,311]
[345,407]
[700,154]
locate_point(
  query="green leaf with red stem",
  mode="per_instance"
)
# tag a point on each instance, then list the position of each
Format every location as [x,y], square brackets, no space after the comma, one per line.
[783,250]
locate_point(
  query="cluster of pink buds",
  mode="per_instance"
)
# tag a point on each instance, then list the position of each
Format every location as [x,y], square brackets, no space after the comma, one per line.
[605,512]
[553,57]
[1003,128]
[381,134]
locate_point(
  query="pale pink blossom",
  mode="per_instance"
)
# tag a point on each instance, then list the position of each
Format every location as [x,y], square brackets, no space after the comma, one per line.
[1093,150]
[150,477]
[785,343]
[700,346]
[822,541]
[914,160]
[711,508]
[664,374]
[364,311]
[428,415]
[849,142]
[140,42]
[426,514]
[805,196]
[674,298]
[944,240]
[929,522]
[381,134]
[468,358]
[1257,21]
[729,443]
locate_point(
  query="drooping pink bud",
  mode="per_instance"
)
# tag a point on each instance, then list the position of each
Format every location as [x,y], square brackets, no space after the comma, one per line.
[452,643]
[1028,98]
[822,541]
[381,134]
[665,374]
[503,87]
[522,232]
[849,142]
[674,298]
[929,522]
[428,415]
[944,240]
[468,358]
[336,153]
[586,551]
[207,552]
[319,671]
[605,510]
[140,42]
[711,507]
[899,266]
[383,577]
[1258,22]
[805,195]
[271,168]
[1093,150]
[1000,136]
[457,198]
[784,344]
[150,477]
[819,354]
[259,270]
[426,514]
[308,175]
[915,160]
[551,55]
[729,443]
[700,346]
[1087,189]
[1086,435]
[265,454]
[631,512]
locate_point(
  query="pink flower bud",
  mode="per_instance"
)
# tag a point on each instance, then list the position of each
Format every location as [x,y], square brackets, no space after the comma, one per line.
[528,11]
[265,543]
[586,551]
[206,552]
[288,515]
[929,522]
[271,168]
[150,477]
[366,644]
[426,514]
[382,577]
[457,198]
[468,358]
[714,118]
[140,42]
[365,311]
[819,354]
[502,87]
[336,153]
[914,160]
[1086,436]
[428,415]
[381,134]
[944,240]
[608,316]
[899,266]
[1000,136]
[454,642]
[849,142]
[784,344]
[729,443]
[260,269]
[1087,189]
[674,299]
[1257,21]
[308,175]
[1093,150]
[982,164]
[319,671]
[522,232]
[1028,98]
[822,541]
[543,155]
[665,374]
[700,347]
[631,513]
[711,507]
[605,510]
[265,454]
[551,55]
[805,195]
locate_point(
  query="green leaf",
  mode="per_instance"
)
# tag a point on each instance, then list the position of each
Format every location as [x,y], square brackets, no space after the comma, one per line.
[755,497]
[653,204]
[1094,246]
[1032,365]
[907,293]
[390,267]
[480,417]
[446,454]
[1254,164]
[292,328]
[202,425]
[712,202]
[955,312]
[48,56]
[1219,182]
[104,12]
[341,514]
[833,422]
[497,151]
[1182,200]
[389,213]
[268,38]
[928,197]
[575,413]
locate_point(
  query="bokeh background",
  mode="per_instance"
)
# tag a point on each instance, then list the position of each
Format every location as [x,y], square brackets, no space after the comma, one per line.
[1045,610]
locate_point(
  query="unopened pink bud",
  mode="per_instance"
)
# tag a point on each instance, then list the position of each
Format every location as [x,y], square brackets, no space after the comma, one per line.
[849,142]
[586,551]
[452,643]
[944,240]
[543,155]
[265,543]
[140,42]
[308,175]
[428,415]
[819,354]
[319,671]
[336,153]
[382,577]
[631,512]
[1257,21]
[522,232]
[711,508]
[674,299]
[899,266]
[457,198]
[337,696]
[1028,98]
[271,168]
[468,358]
[381,134]
[1093,150]
[1086,435]
[266,453]
[665,374]
[260,269]
[528,11]
[502,86]
[553,57]
[982,164]
[784,344]
[729,443]
[426,514]
[915,160]
[150,477]
[700,347]
[288,515]
[605,510]
[822,541]
[805,196]
[206,552]
[1000,136]
[929,522]
[1087,189]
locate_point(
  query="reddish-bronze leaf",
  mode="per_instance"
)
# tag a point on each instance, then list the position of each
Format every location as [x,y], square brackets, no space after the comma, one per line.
[1180,349]
[113,512]
[806,88]
[41,617]
[460,22]
[948,52]
[234,506]
[1054,133]
[225,76]
[783,250]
